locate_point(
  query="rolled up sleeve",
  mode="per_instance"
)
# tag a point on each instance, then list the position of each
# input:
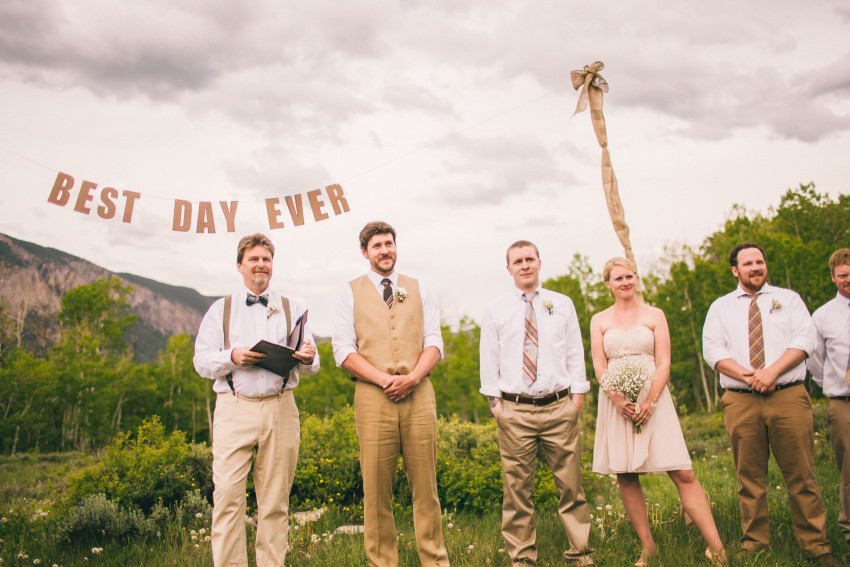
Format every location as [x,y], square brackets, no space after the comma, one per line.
[714,347]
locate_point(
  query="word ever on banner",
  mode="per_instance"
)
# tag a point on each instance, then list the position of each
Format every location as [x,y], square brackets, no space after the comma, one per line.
[112,202]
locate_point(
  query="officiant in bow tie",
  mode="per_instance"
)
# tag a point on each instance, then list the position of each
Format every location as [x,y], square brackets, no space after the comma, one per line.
[254,409]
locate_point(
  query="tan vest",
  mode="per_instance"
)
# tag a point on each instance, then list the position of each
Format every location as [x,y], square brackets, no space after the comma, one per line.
[390,339]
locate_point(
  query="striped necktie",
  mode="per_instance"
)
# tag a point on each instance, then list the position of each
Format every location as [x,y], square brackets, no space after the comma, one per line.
[756,334]
[388,291]
[529,345]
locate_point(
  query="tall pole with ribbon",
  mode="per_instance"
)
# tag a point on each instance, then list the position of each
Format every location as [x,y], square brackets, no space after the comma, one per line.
[593,86]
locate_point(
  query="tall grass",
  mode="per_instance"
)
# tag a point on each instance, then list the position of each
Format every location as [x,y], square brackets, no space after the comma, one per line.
[28,484]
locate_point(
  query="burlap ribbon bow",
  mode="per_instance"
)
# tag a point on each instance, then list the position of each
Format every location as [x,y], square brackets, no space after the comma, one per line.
[593,87]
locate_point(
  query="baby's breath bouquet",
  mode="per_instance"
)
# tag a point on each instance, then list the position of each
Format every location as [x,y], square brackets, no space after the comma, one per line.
[626,375]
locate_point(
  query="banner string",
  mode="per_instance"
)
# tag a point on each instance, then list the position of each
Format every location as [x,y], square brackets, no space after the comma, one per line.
[421,147]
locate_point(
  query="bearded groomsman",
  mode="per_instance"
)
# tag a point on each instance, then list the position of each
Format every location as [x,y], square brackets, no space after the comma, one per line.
[387,335]
[829,366]
[758,337]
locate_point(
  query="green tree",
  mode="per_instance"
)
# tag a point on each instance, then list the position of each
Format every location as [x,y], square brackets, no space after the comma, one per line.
[589,295]
[456,378]
[798,238]
[26,400]
[184,399]
[92,366]
[329,390]
[100,309]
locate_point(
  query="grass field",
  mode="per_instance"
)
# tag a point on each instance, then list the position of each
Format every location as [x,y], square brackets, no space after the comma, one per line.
[29,484]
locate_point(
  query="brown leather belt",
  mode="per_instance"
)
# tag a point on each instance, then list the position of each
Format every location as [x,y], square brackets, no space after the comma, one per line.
[536,400]
[779,387]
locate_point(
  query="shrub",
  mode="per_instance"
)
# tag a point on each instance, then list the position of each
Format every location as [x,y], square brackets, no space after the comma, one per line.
[154,468]
[192,508]
[469,473]
[97,518]
[328,462]
[469,470]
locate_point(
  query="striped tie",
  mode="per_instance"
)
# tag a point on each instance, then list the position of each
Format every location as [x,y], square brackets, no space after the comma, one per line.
[388,291]
[756,334]
[529,345]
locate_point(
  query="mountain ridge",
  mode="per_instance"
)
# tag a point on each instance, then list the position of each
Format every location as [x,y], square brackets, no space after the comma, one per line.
[34,278]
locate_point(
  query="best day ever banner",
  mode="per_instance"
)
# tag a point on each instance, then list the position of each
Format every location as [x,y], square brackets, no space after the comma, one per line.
[108,202]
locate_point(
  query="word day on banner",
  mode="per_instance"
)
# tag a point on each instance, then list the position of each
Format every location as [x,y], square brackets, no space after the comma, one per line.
[202,216]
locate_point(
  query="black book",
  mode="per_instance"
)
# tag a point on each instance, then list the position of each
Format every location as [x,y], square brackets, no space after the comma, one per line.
[280,359]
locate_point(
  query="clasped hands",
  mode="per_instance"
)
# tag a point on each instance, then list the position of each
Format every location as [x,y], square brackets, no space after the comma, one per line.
[760,380]
[638,413]
[244,356]
[399,386]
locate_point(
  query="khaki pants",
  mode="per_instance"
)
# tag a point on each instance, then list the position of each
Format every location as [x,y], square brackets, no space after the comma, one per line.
[780,422]
[838,417]
[272,427]
[386,429]
[522,429]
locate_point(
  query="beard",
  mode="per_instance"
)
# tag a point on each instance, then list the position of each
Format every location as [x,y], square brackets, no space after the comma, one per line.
[380,269]
[261,279]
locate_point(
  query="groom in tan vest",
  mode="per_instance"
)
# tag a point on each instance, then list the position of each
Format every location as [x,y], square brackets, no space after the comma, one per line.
[387,335]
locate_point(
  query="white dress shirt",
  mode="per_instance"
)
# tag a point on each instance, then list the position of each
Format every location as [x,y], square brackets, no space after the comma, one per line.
[786,323]
[344,339]
[560,353]
[248,325]
[828,364]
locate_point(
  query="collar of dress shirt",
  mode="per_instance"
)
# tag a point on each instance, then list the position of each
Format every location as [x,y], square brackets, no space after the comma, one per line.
[518,292]
[841,299]
[766,288]
[377,278]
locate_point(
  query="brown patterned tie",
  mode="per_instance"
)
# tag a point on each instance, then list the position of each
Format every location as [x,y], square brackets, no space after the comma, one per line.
[388,291]
[529,345]
[756,334]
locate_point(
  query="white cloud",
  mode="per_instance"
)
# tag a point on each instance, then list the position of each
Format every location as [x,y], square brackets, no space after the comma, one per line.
[449,119]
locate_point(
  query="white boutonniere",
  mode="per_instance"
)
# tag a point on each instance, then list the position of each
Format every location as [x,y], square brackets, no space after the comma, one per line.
[775,306]
[272,309]
[401,294]
[548,305]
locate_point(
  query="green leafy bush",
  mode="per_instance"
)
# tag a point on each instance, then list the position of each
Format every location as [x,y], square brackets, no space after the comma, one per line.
[469,472]
[151,469]
[328,462]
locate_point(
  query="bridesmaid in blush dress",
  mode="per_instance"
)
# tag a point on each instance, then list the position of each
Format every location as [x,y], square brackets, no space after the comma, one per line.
[632,328]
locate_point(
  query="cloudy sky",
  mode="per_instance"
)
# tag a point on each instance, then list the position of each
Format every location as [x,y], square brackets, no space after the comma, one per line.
[450,119]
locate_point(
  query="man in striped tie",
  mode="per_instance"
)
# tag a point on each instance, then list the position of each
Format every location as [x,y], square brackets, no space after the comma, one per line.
[758,337]
[533,373]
